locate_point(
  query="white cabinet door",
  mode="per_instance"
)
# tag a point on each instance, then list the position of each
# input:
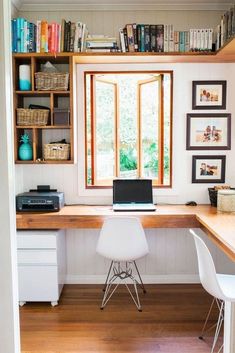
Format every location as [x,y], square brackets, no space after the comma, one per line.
[38,283]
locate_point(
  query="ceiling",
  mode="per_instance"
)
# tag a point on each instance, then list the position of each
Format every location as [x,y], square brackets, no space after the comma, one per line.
[50,5]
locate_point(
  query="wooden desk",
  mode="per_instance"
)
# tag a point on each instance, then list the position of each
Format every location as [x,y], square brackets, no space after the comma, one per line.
[219,227]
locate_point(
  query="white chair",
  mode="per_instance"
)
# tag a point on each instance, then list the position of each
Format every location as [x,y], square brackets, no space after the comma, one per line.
[122,240]
[220,286]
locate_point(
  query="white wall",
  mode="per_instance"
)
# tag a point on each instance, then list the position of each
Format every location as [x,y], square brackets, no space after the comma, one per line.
[168,247]
[109,22]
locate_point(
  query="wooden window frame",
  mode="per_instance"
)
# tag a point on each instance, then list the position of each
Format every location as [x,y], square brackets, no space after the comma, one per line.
[161,124]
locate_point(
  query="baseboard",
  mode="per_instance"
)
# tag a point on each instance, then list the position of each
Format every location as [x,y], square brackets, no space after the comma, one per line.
[147,279]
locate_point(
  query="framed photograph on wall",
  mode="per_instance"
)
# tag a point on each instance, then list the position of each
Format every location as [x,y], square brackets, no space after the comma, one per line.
[208,131]
[209,94]
[208,169]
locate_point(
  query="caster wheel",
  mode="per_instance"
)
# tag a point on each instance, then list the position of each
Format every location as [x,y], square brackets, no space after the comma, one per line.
[200,337]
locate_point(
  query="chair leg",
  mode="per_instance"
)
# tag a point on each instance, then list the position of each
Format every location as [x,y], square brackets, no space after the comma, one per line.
[141,282]
[117,272]
[108,285]
[206,320]
[108,276]
[218,327]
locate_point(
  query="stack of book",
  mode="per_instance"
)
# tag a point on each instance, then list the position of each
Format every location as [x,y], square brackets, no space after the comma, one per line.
[201,39]
[101,43]
[225,29]
[47,37]
[163,38]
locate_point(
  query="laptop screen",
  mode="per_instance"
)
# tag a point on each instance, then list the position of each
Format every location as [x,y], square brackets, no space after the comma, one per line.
[132,190]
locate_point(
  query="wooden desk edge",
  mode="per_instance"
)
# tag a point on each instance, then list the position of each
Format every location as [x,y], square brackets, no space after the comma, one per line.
[189,219]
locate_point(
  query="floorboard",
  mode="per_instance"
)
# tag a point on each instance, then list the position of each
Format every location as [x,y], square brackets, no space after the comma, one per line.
[171,321]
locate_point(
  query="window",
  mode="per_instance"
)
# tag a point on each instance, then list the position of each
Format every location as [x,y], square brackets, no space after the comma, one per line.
[128,126]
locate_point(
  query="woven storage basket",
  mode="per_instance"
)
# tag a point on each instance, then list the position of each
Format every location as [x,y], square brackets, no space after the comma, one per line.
[213,195]
[52,81]
[32,116]
[56,151]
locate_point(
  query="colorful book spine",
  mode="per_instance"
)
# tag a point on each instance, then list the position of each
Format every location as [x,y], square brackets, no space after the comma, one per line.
[130,37]
[122,40]
[160,38]
[38,44]
[44,37]
[14,35]
[153,38]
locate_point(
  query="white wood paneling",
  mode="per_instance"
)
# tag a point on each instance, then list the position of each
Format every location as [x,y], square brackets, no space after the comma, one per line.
[172,257]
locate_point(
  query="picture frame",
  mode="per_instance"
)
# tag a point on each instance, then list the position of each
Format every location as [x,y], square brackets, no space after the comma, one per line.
[208,169]
[208,131]
[209,94]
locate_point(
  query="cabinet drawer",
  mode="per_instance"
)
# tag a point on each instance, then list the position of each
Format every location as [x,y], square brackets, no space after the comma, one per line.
[37,257]
[38,283]
[36,240]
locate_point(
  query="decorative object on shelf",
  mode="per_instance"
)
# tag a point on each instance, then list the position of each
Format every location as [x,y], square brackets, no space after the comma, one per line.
[52,81]
[61,116]
[214,191]
[226,201]
[208,131]
[32,116]
[24,78]
[25,149]
[56,150]
[209,95]
[208,169]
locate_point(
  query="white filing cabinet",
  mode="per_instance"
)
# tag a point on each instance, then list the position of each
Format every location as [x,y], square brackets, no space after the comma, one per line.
[41,265]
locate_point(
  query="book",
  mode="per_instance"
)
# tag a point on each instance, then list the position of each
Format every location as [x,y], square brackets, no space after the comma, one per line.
[122,40]
[130,37]
[176,41]
[166,38]
[153,38]
[125,39]
[14,35]
[135,36]
[38,44]
[146,38]
[62,35]
[171,38]
[72,36]
[160,38]
[182,41]
[44,37]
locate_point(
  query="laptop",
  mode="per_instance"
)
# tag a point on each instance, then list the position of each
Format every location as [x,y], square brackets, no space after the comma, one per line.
[133,195]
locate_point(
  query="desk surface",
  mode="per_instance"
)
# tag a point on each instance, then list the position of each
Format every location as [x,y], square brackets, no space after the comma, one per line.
[219,226]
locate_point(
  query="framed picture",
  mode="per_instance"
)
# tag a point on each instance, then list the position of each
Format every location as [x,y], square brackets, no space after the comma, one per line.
[208,169]
[209,94]
[208,131]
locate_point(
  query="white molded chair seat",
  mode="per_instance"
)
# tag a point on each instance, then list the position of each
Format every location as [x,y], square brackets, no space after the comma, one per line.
[220,286]
[122,240]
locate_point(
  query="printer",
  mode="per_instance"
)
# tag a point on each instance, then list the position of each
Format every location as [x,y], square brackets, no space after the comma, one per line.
[43,199]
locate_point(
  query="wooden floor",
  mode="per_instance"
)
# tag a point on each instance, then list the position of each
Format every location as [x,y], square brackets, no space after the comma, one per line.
[171,320]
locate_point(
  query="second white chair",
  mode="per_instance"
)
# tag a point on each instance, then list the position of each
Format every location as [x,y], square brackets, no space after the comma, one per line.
[220,286]
[123,241]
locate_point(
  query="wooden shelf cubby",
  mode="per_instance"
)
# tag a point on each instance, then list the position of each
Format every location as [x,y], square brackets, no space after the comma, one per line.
[41,134]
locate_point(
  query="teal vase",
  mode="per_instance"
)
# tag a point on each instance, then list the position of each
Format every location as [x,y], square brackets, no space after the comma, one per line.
[25,152]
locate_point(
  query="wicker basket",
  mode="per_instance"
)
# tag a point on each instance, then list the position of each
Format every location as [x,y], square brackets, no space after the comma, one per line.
[32,116]
[52,81]
[56,151]
[213,194]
